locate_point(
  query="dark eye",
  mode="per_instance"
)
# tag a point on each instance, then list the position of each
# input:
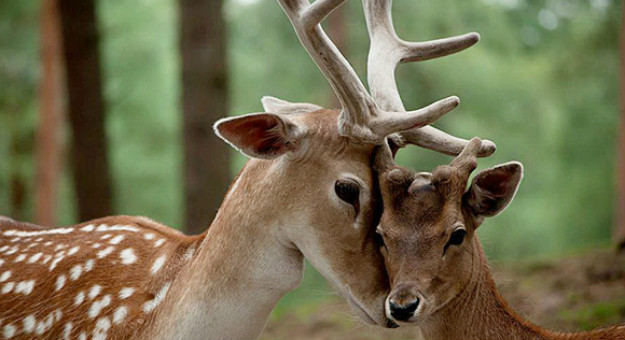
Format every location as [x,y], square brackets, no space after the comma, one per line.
[456,238]
[348,191]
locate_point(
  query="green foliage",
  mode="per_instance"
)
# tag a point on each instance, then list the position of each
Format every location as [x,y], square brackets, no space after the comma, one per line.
[542,84]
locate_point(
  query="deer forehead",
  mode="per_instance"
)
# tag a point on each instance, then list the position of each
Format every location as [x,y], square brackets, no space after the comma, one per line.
[93,278]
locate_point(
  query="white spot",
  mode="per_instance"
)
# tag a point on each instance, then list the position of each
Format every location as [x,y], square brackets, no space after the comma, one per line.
[158,264]
[32,245]
[15,239]
[89,265]
[103,324]
[38,233]
[82,336]
[39,239]
[189,253]
[47,244]
[124,227]
[9,331]
[29,324]
[128,256]
[80,297]
[60,282]
[45,324]
[20,258]
[98,305]
[102,227]
[67,331]
[25,287]
[73,250]
[5,276]
[59,247]
[12,251]
[75,272]
[120,314]
[150,305]
[107,236]
[8,287]
[60,254]
[126,292]
[88,227]
[4,248]
[159,242]
[58,314]
[47,259]
[35,258]
[95,246]
[94,291]
[105,252]
[55,262]
[116,239]
[149,236]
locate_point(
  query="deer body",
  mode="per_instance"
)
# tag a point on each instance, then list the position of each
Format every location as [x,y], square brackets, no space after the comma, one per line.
[439,274]
[308,192]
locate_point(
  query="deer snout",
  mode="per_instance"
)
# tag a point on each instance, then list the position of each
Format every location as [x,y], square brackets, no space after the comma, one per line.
[402,303]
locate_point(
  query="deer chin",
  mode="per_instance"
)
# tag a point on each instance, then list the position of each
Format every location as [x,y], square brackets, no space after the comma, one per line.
[370,317]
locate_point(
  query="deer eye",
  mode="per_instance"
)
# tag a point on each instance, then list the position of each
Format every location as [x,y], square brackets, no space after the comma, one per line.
[456,238]
[348,191]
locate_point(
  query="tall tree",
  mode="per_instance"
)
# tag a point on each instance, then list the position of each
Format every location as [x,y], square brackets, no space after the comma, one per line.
[89,151]
[50,115]
[204,100]
[619,234]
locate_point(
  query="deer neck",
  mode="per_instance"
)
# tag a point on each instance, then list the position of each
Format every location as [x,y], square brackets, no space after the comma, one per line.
[479,311]
[241,269]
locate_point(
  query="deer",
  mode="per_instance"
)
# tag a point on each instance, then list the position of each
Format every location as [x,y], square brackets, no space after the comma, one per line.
[307,192]
[439,275]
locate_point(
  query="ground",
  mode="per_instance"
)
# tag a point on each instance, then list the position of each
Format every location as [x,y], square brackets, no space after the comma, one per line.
[573,293]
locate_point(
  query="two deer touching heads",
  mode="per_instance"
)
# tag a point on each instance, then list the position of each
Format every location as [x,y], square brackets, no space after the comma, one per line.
[399,246]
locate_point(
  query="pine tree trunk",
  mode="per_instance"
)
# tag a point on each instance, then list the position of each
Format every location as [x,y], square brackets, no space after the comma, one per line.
[50,116]
[89,151]
[619,232]
[204,100]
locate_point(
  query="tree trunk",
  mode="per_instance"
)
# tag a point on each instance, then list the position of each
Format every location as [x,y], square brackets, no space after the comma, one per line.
[50,116]
[204,100]
[619,232]
[89,152]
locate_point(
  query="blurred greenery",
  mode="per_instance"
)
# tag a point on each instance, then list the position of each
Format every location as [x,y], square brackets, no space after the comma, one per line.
[542,83]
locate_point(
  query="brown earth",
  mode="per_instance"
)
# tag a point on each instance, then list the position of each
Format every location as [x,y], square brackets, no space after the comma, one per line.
[573,293]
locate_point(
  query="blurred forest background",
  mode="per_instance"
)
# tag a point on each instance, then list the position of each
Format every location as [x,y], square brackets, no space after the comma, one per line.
[106,107]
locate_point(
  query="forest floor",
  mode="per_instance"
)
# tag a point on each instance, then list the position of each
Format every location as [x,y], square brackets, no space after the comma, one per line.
[574,293]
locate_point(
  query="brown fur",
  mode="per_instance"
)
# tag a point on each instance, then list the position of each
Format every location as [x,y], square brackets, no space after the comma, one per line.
[458,298]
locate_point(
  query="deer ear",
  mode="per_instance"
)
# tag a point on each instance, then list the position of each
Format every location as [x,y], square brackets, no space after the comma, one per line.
[493,189]
[259,135]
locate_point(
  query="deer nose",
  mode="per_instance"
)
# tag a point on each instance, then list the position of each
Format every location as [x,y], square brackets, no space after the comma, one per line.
[404,310]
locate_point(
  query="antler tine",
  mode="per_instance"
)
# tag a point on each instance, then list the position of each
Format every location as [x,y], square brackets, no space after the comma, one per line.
[361,117]
[386,51]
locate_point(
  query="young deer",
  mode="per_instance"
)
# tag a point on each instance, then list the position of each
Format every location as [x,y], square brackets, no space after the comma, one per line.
[308,192]
[438,271]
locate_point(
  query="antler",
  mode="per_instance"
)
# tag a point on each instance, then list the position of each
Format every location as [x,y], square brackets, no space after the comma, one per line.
[386,51]
[361,118]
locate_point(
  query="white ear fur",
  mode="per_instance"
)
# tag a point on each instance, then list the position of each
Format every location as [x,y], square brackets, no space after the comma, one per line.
[259,135]
[273,104]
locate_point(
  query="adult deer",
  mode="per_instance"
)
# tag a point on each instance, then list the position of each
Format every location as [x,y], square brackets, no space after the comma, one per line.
[438,271]
[308,192]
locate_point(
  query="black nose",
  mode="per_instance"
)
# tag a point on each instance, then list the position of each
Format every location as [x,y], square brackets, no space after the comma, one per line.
[403,312]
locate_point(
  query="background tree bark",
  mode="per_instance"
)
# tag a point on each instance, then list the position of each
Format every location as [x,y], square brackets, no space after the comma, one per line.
[204,100]
[89,151]
[337,30]
[619,232]
[50,116]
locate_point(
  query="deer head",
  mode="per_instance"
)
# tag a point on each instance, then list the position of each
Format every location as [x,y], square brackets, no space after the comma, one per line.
[429,228]
[313,165]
